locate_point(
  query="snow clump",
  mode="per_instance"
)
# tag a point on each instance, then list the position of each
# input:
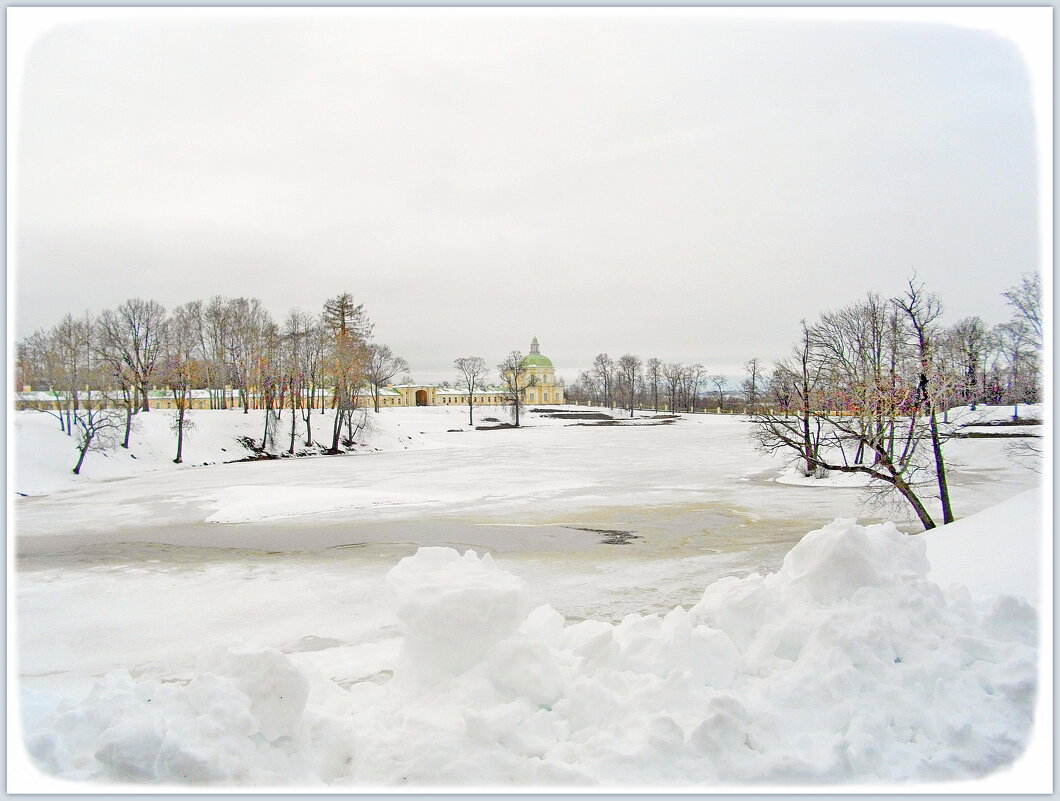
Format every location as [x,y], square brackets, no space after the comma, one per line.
[847,665]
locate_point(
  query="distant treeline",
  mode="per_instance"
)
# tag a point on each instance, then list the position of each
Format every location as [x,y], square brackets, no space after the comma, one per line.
[967,362]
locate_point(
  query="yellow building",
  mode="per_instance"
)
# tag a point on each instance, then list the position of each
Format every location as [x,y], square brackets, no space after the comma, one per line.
[542,388]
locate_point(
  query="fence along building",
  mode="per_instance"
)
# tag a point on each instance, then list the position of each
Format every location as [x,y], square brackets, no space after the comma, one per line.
[542,390]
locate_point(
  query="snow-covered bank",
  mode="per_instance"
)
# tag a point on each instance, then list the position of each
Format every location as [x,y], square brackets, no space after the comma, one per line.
[997,552]
[848,665]
[45,456]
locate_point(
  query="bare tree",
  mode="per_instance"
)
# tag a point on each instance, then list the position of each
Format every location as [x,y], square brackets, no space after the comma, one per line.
[969,340]
[628,371]
[752,385]
[674,374]
[304,345]
[584,389]
[473,372]
[133,330]
[515,378]
[250,326]
[922,310]
[72,340]
[215,335]
[120,376]
[1026,300]
[40,365]
[181,369]
[865,382]
[804,373]
[694,375]
[603,370]
[841,396]
[95,423]
[719,381]
[381,367]
[1016,346]
[652,377]
[96,428]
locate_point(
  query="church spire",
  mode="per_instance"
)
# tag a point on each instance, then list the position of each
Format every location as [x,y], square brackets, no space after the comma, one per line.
[534,346]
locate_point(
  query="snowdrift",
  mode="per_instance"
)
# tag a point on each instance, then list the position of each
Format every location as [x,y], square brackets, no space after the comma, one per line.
[848,665]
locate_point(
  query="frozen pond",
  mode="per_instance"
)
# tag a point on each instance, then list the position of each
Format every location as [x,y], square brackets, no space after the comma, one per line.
[147,572]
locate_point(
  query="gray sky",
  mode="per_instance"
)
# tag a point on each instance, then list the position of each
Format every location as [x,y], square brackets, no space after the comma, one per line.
[670,185]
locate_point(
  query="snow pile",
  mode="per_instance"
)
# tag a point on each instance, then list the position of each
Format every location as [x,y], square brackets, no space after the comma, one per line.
[848,665]
[453,611]
[229,724]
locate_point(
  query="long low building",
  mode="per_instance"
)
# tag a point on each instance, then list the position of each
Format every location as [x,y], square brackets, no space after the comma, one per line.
[541,377]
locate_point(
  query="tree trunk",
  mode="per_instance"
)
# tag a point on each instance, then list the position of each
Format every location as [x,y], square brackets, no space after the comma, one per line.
[336,431]
[128,423]
[81,456]
[294,425]
[807,452]
[180,433]
[918,507]
[940,468]
[265,433]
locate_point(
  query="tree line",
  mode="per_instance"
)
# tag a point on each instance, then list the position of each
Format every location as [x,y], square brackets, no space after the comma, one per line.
[630,383]
[992,365]
[100,368]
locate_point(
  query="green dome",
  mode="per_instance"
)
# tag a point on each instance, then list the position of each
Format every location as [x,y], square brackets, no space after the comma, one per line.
[534,357]
[536,360]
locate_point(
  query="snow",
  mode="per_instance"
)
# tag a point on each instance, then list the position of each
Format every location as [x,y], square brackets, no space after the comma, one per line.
[993,553]
[437,610]
[45,456]
[983,415]
[796,478]
[847,665]
[244,504]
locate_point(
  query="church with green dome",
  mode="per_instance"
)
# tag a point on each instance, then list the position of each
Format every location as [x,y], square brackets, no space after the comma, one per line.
[542,389]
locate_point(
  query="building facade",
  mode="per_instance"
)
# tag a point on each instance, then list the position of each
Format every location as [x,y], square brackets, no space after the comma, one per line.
[543,388]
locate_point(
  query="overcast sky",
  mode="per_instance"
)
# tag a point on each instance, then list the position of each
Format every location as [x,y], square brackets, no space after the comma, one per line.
[671,185]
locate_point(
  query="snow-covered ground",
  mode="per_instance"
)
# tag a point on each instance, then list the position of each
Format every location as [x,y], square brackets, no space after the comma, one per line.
[701,650]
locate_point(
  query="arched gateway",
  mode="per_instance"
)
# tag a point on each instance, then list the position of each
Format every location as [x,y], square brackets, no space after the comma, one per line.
[421,397]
